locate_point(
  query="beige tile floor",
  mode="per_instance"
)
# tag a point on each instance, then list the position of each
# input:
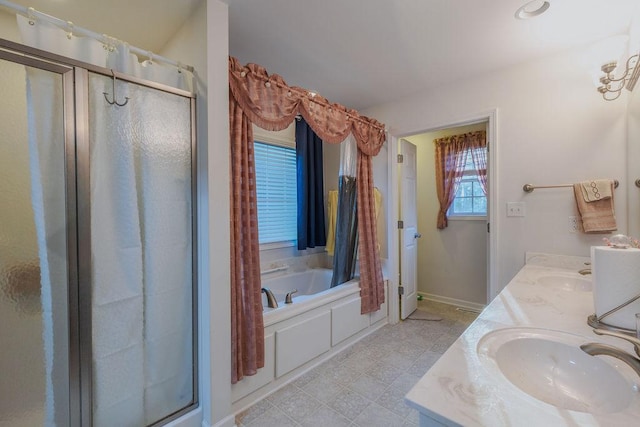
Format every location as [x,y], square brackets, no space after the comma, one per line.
[364,386]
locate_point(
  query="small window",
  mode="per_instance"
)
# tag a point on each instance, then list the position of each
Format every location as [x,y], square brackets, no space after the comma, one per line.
[276,192]
[469,200]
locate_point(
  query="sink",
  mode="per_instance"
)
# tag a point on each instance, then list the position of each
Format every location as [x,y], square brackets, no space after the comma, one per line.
[550,366]
[566,283]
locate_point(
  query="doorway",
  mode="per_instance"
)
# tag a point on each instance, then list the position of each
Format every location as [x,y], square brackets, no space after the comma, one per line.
[454,265]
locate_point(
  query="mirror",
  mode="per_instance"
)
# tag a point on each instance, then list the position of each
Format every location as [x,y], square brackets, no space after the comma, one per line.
[633,162]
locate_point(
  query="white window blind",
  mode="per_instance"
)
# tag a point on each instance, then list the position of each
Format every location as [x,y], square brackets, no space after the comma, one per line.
[277,192]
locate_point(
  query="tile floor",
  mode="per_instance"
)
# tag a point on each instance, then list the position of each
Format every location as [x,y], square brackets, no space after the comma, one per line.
[364,386]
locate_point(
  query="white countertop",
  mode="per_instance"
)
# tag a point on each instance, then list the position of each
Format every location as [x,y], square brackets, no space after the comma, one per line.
[460,390]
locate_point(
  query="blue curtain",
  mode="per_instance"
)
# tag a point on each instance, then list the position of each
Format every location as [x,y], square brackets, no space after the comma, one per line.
[311,226]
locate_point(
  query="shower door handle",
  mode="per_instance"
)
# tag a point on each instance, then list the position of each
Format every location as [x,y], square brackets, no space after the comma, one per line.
[417,236]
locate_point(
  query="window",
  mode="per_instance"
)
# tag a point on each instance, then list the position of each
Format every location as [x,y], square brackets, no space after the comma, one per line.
[277,192]
[469,200]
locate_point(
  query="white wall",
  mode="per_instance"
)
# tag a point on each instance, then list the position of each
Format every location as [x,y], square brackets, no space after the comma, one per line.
[452,263]
[633,155]
[633,159]
[204,43]
[552,128]
[9,26]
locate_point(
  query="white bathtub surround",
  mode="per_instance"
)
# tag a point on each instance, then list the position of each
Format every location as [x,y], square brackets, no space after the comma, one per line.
[462,390]
[320,322]
[303,261]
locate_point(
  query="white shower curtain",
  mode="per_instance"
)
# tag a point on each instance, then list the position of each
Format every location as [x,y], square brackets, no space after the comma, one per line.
[140,175]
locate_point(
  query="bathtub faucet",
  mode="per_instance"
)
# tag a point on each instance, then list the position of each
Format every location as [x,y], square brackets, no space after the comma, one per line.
[287,298]
[271,299]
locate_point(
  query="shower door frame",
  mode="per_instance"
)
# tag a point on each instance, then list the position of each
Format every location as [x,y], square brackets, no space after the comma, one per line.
[75,78]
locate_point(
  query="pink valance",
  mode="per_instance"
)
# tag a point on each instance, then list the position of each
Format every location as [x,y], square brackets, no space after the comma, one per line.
[272,105]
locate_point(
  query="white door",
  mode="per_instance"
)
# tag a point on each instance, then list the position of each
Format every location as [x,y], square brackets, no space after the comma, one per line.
[409,232]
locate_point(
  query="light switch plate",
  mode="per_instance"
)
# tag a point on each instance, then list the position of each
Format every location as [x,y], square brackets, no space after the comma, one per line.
[515,209]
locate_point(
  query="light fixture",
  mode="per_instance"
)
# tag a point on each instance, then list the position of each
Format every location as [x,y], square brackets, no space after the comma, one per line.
[532,9]
[612,85]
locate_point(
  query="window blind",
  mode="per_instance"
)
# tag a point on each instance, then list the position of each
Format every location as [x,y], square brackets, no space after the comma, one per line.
[276,192]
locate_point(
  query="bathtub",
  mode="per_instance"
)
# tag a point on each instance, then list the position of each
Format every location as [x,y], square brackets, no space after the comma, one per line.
[320,322]
[310,284]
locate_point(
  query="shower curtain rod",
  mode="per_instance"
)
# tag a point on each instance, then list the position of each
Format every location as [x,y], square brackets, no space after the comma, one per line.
[31,13]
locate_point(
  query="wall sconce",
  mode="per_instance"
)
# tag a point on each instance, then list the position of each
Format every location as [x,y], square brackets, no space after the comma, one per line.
[611,85]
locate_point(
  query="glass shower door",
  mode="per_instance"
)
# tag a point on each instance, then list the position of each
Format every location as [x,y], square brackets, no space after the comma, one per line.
[34,276]
[142,302]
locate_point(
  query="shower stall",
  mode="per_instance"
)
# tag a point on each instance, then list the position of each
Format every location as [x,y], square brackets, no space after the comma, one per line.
[97,245]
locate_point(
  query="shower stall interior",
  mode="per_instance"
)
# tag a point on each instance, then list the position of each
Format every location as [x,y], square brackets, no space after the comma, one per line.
[97,245]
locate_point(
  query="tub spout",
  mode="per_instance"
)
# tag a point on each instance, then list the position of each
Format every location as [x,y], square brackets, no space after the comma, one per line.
[271,299]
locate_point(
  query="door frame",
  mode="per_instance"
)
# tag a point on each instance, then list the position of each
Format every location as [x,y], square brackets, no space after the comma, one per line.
[491,118]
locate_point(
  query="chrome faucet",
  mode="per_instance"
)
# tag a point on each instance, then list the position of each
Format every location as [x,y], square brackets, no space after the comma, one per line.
[595,349]
[585,271]
[287,298]
[271,299]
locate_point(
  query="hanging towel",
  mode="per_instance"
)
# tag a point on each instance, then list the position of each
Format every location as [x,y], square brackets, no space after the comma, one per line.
[332,213]
[597,216]
[598,189]
[378,204]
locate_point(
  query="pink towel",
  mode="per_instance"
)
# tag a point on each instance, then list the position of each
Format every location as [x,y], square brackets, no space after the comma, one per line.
[598,216]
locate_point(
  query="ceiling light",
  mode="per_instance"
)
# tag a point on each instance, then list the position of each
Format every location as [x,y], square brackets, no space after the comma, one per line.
[532,9]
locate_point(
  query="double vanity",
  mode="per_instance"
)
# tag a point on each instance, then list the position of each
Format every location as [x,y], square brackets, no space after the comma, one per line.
[520,363]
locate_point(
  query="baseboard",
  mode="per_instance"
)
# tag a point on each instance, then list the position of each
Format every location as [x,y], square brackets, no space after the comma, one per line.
[468,305]
[229,421]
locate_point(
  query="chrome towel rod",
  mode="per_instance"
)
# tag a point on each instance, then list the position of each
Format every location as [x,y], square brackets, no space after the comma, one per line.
[528,188]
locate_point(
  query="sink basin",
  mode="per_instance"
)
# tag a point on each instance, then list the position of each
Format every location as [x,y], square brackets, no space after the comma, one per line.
[566,283]
[550,366]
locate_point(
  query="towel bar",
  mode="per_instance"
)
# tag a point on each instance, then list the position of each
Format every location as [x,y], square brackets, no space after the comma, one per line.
[528,188]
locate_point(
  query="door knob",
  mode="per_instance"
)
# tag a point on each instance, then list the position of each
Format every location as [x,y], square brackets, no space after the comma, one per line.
[417,235]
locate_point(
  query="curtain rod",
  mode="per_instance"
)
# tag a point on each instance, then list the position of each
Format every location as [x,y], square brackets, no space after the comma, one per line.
[32,13]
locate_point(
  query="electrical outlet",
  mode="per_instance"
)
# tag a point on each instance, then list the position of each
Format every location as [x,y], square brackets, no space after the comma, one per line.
[515,209]
[573,224]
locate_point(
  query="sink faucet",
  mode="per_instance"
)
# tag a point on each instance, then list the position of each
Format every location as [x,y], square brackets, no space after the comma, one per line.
[271,299]
[585,271]
[595,349]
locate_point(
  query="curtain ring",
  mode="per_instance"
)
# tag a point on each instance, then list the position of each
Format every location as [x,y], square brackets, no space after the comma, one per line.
[267,84]
[243,74]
